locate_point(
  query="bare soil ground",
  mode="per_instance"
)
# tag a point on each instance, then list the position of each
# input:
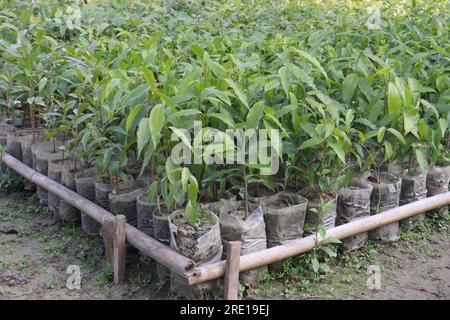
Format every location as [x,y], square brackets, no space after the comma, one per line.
[36,250]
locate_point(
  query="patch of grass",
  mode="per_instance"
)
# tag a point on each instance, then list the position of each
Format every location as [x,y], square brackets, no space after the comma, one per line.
[26,267]
[4,264]
[358,260]
[10,182]
[440,218]
[107,276]
[48,285]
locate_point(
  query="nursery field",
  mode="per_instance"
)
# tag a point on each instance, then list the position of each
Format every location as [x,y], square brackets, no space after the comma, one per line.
[257,122]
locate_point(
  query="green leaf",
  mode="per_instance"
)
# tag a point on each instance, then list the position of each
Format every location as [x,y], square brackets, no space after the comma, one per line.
[56,131]
[183,113]
[380,134]
[330,252]
[254,115]
[314,61]
[315,265]
[83,118]
[394,99]
[411,121]
[310,143]
[193,191]
[191,212]
[283,74]
[422,160]
[388,151]
[166,99]
[197,50]
[238,92]
[132,116]
[185,177]
[349,117]
[156,122]
[111,86]
[143,135]
[338,150]
[348,87]
[443,124]
[42,84]
[397,134]
[152,191]
[366,123]
[180,134]
[301,75]
[150,78]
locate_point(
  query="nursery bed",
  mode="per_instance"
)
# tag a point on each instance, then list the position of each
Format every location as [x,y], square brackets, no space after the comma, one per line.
[249,261]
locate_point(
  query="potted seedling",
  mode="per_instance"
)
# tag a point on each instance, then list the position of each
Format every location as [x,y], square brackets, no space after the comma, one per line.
[194,232]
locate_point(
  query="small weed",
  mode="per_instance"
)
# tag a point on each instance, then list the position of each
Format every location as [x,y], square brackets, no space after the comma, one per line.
[49,284]
[107,276]
[439,218]
[4,264]
[10,182]
[160,284]
[358,260]
[288,292]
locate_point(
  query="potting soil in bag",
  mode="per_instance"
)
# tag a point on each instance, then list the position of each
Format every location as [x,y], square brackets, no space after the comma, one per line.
[284,215]
[250,231]
[353,204]
[385,196]
[143,181]
[102,191]
[54,173]
[85,185]
[13,144]
[122,200]
[4,130]
[437,183]
[42,160]
[162,234]
[314,216]
[67,212]
[413,189]
[201,243]
[27,159]
[215,206]
[145,215]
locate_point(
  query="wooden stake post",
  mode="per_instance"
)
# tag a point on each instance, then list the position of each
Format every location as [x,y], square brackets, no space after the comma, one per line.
[114,239]
[231,283]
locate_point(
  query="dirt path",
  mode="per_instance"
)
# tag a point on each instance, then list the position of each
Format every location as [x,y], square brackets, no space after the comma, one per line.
[36,250]
[416,267]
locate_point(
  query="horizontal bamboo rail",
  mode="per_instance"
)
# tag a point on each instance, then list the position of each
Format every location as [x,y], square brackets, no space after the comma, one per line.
[141,241]
[296,247]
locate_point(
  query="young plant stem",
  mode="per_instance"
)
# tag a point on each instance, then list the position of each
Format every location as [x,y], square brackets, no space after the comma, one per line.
[246,192]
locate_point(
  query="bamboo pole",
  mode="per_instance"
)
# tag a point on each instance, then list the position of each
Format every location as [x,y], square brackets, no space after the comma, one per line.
[119,249]
[231,282]
[141,241]
[296,247]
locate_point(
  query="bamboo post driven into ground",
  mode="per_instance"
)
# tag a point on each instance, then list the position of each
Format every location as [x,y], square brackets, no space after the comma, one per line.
[114,238]
[296,247]
[231,282]
[144,243]
[108,228]
[119,249]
